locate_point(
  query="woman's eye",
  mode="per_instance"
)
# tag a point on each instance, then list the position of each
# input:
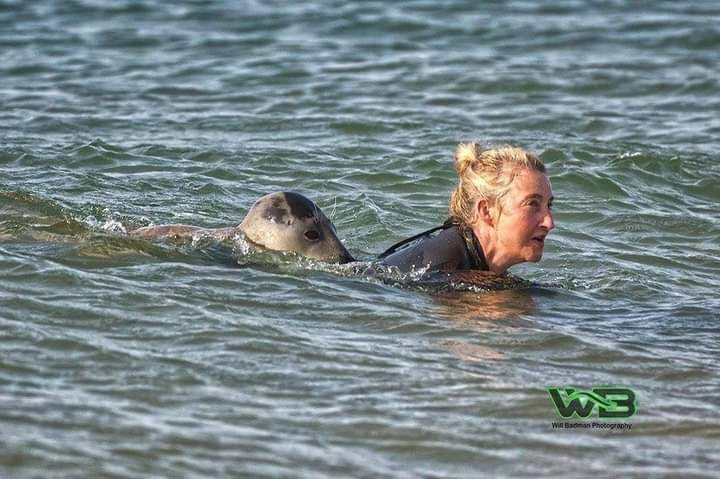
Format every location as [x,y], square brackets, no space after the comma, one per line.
[312,235]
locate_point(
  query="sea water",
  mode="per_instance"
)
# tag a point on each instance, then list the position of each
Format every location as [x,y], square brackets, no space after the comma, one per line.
[121,357]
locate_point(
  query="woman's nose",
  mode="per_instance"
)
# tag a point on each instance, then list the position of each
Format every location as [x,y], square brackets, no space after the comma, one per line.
[548,222]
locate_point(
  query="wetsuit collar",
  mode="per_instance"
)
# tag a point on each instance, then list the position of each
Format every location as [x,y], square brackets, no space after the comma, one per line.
[473,248]
[472,244]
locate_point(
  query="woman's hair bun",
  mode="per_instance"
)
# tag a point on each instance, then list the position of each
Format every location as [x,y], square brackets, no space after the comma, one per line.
[465,155]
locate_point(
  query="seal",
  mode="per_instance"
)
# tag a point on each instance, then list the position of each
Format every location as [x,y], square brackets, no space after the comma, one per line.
[281,221]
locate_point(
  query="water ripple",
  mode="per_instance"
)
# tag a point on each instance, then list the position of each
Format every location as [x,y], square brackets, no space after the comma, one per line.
[128,358]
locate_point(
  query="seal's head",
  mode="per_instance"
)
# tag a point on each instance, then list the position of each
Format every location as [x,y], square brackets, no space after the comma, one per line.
[286,221]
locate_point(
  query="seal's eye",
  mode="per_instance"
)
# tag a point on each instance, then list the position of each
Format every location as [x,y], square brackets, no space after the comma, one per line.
[312,235]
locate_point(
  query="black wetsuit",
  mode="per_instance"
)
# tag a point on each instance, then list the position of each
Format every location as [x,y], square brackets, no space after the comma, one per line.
[454,248]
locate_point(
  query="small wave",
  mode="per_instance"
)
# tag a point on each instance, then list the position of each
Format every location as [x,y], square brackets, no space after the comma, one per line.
[424,280]
[110,225]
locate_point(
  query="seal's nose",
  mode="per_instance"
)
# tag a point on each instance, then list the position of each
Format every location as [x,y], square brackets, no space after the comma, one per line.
[341,255]
[345,257]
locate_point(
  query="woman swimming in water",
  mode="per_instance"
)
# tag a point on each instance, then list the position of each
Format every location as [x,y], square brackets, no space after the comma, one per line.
[500,215]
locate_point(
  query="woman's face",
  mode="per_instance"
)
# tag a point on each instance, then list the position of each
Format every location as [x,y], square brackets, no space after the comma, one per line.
[523,218]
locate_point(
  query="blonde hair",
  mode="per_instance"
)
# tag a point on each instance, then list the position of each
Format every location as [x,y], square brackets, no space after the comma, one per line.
[486,174]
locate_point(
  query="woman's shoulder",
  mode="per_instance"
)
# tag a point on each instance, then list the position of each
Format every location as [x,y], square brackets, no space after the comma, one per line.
[443,251]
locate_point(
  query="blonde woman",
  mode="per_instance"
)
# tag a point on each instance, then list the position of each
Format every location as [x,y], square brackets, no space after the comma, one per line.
[500,215]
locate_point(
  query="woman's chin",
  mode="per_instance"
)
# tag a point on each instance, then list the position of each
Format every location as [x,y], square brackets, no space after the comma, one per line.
[534,255]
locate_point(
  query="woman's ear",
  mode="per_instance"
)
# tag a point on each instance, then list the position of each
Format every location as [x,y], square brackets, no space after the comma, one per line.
[484,212]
